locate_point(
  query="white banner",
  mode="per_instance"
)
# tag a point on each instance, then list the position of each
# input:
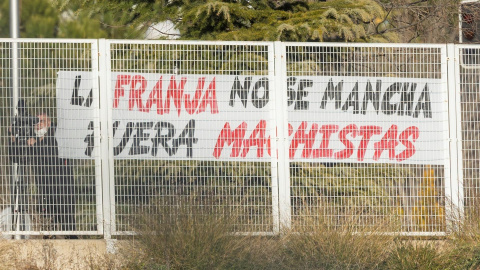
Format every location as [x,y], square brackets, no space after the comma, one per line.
[228,117]
[362,119]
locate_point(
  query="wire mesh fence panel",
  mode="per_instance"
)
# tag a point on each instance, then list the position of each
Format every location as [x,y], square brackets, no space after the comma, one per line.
[192,129]
[191,124]
[46,191]
[469,80]
[368,136]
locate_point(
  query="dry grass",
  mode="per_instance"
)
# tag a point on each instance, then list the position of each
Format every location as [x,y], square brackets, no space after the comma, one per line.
[186,240]
[323,246]
[53,255]
[205,241]
[200,240]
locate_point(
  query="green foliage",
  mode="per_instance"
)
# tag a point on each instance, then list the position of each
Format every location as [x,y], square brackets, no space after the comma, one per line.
[81,26]
[62,19]
[38,19]
[340,20]
[117,19]
[263,20]
[266,20]
[191,58]
[217,16]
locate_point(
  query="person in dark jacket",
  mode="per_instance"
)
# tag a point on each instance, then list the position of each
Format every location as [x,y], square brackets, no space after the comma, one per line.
[53,175]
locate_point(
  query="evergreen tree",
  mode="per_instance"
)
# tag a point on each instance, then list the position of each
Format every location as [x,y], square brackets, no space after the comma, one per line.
[49,19]
[38,19]
[287,20]
[261,20]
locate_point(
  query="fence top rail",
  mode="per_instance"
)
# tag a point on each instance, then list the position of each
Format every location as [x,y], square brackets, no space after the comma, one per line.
[47,40]
[376,45]
[221,42]
[316,44]
[467,46]
[187,42]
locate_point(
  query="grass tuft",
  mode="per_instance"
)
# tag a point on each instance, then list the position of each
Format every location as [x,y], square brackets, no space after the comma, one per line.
[194,238]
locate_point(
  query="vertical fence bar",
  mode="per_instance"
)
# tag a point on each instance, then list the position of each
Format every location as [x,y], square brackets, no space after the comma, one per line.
[106,138]
[15,85]
[15,98]
[14,33]
[450,167]
[456,159]
[453,187]
[276,96]
[458,121]
[97,139]
[282,137]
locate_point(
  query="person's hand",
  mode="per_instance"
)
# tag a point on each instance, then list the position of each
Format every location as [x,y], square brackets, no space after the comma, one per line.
[12,138]
[31,141]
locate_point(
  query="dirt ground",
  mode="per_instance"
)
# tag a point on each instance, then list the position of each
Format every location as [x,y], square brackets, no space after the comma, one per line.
[55,254]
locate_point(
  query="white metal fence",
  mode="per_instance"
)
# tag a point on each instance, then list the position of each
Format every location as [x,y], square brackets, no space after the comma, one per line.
[41,192]
[273,134]
[389,103]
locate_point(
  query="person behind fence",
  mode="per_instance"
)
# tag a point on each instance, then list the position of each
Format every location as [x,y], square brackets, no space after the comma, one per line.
[53,175]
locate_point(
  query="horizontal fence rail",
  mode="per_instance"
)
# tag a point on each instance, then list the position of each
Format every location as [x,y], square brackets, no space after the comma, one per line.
[270,135]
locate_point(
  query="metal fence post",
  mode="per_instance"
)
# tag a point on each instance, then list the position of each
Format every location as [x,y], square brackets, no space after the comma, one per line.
[14,33]
[454,187]
[98,141]
[14,99]
[459,139]
[282,136]
[107,156]
[276,97]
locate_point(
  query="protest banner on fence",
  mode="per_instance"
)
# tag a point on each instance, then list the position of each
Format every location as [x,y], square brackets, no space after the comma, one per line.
[230,117]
